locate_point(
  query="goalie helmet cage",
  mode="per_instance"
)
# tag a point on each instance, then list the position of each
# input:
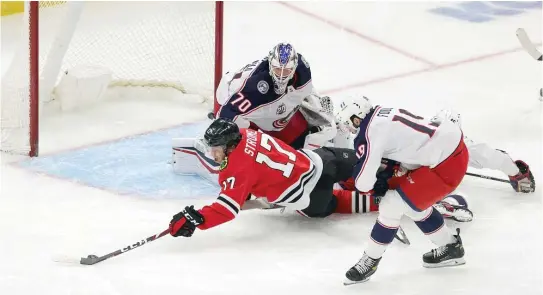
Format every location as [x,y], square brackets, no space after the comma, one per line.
[195,37]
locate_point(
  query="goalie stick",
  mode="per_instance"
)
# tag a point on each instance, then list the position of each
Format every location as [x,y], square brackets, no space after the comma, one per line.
[528,45]
[93,259]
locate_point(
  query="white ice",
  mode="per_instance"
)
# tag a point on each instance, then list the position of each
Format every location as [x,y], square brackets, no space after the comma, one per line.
[430,62]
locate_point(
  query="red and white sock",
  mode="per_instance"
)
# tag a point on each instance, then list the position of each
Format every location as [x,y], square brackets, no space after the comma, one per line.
[354,202]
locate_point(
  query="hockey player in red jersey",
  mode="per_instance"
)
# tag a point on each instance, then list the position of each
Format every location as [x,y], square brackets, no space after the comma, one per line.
[254,163]
[438,160]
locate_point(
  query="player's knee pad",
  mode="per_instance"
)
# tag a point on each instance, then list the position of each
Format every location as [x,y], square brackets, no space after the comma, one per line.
[402,206]
[392,206]
[388,221]
[419,215]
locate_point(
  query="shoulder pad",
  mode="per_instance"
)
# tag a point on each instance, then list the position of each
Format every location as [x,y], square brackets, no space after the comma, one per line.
[303,73]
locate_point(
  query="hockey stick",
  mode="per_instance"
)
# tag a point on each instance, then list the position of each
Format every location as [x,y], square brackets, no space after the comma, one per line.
[528,45]
[93,259]
[488,177]
[401,236]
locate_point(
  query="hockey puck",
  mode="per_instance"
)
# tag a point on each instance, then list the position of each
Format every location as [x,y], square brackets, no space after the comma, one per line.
[211,116]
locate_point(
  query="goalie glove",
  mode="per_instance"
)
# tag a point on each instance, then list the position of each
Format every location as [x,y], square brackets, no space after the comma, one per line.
[317,110]
[524,181]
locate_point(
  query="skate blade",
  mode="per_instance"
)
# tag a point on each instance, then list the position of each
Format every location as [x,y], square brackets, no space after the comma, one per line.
[348,282]
[448,263]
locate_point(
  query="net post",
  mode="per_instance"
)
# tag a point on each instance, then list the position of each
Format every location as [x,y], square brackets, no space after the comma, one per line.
[34,99]
[219,13]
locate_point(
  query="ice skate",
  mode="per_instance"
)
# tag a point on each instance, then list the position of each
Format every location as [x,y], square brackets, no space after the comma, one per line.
[361,271]
[455,212]
[448,255]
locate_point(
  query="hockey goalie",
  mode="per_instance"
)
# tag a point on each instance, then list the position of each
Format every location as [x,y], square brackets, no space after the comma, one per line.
[274,95]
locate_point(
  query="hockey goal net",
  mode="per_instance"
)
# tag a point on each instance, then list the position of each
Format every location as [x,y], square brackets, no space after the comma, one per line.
[70,49]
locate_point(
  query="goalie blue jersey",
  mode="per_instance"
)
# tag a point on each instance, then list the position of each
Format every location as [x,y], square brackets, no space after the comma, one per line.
[248,96]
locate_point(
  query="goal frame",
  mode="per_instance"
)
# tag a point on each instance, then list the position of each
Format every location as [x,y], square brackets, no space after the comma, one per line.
[34,99]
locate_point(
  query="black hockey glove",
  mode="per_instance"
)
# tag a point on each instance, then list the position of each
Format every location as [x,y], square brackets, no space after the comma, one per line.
[380,187]
[388,168]
[185,222]
[524,181]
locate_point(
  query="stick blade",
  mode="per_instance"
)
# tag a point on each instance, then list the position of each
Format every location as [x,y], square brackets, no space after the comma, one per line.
[528,45]
[89,260]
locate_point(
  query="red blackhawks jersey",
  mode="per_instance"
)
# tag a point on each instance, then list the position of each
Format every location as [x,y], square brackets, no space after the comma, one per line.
[264,167]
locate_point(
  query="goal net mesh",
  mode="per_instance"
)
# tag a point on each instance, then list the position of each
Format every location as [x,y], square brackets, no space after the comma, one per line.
[142,44]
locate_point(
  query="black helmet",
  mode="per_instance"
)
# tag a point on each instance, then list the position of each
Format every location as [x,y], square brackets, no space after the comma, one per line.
[222,132]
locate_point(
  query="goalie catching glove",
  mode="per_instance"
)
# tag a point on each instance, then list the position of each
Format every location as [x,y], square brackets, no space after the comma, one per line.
[185,222]
[524,181]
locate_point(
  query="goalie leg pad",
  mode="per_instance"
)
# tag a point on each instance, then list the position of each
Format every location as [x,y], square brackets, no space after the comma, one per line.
[189,159]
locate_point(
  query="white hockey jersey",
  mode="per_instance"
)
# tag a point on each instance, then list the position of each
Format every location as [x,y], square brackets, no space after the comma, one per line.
[481,155]
[248,96]
[398,135]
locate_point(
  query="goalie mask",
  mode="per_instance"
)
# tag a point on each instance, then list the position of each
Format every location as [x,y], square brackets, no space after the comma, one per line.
[349,109]
[283,60]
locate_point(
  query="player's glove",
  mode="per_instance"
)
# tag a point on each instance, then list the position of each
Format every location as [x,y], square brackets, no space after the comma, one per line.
[386,172]
[380,187]
[524,181]
[388,169]
[185,222]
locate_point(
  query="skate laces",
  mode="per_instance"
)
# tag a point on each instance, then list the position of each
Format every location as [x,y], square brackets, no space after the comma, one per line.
[439,251]
[364,264]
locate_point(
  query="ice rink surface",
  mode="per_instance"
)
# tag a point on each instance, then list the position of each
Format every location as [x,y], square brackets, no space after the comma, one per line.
[103,182]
